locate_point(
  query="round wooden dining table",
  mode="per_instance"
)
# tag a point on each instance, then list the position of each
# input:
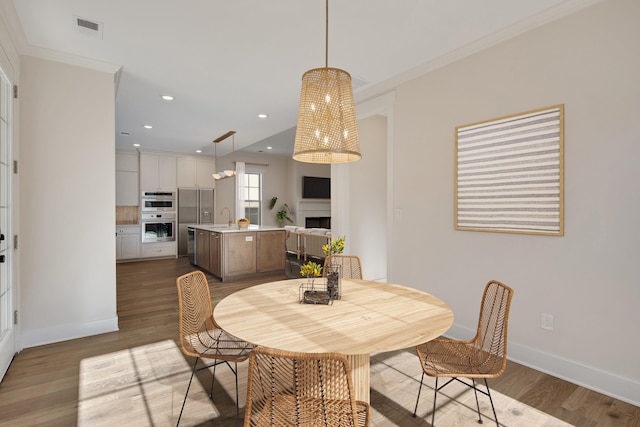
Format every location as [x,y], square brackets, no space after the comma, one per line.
[370,317]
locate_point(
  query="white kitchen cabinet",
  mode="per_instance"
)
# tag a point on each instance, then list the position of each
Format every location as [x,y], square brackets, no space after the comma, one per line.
[186,172]
[204,172]
[127,161]
[127,190]
[157,172]
[195,172]
[127,193]
[127,242]
[158,250]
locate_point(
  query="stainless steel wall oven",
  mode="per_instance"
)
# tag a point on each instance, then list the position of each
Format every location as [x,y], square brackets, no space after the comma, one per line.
[158,201]
[158,227]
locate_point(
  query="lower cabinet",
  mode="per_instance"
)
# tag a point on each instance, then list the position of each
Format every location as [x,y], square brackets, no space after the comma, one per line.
[239,256]
[202,249]
[127,242]
[155,250]
[215,252]
[270,251]
[129,247]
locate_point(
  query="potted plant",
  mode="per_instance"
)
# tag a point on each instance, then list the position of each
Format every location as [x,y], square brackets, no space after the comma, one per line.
[283,213]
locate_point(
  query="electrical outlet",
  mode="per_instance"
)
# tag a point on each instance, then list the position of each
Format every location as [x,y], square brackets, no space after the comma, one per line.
[546,321]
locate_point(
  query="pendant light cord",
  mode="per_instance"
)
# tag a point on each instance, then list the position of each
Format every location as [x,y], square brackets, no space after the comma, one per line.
[326,41]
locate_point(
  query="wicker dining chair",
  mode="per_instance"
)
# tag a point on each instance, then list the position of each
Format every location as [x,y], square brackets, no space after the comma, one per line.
[484,356]
[201,337]
[350,265]
[301,389]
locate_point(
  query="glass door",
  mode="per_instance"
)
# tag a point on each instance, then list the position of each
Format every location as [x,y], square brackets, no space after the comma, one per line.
[7,331]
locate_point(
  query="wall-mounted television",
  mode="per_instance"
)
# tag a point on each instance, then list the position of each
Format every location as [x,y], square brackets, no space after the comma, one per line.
[314,187]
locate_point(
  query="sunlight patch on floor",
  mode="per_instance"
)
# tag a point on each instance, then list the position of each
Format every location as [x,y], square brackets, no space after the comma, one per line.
[145,386]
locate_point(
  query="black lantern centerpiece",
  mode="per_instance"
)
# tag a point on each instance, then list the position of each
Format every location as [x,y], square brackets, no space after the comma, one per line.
[310,292]
[332,270]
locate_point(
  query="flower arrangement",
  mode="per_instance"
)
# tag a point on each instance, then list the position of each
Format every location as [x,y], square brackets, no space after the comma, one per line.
[311,269]
[334,246]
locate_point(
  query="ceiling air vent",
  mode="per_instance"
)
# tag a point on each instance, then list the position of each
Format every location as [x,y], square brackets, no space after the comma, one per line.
[88,24]
[88,27]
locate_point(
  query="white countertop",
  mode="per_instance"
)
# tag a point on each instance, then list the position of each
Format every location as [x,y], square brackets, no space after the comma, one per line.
[224,228]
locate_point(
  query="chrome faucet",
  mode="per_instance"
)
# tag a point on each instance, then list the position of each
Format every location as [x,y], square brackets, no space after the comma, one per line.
[228,210]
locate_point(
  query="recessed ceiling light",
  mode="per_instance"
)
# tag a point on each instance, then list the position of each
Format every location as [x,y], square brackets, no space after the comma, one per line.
[167,97]
[148,127]
[269,148]
[262,116]
[198,151]
[136,145]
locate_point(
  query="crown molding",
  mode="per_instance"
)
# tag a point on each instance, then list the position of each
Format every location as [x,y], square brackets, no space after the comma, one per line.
[552,14]
[11,20]
[80,61]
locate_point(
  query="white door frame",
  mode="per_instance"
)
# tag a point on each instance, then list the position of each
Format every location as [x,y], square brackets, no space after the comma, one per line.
[8,290]
[383,105]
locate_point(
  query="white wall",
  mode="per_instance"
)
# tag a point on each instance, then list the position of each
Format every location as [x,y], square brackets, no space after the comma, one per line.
[587,279]
[67,190]
[367,235]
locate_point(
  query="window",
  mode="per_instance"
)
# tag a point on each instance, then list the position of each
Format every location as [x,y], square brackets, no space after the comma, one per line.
[253,197]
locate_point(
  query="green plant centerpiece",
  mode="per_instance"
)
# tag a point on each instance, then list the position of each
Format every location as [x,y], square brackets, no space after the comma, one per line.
[283,214]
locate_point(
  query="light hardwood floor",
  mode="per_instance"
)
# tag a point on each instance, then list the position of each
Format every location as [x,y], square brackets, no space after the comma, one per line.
[41,386]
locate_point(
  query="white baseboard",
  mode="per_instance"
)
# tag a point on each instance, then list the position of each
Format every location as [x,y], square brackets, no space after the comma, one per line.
[621,388]
[66,332]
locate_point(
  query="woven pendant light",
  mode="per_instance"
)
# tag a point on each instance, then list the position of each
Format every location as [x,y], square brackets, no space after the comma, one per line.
[327,131]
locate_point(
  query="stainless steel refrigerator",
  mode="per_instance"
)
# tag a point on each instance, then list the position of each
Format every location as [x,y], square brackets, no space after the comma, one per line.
[195,206]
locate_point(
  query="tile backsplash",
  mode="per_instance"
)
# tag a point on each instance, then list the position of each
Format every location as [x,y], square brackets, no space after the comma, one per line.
[127,215]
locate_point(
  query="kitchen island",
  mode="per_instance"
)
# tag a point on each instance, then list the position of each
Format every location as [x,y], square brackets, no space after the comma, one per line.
[231,253]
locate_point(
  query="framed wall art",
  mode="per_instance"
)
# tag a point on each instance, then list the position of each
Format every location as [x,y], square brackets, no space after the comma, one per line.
[509,174]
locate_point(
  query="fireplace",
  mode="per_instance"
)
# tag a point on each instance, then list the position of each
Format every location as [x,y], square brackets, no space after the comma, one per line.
[313,214]
[317,222]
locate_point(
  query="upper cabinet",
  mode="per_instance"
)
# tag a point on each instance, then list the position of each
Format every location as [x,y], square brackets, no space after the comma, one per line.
[195,172]
[154,171]
[157,172]
[127,192]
